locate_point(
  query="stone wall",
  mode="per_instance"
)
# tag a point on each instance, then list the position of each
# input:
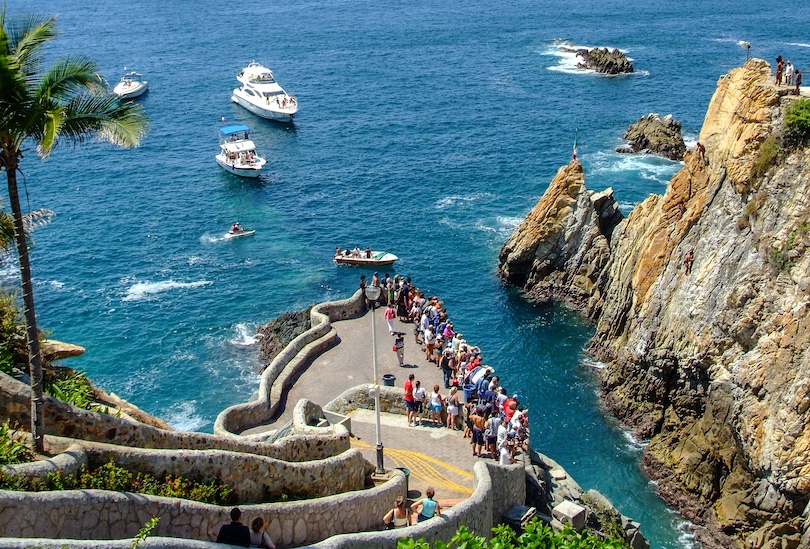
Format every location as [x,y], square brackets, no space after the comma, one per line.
[392,400]
[98,515]
[65,420]
[345,521]
[278,376]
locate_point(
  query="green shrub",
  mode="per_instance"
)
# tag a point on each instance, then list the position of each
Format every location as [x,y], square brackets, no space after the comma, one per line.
[537,534]
[12,448]
[72,387]
[12,334]
[766,157]
[112,477]
[797,123]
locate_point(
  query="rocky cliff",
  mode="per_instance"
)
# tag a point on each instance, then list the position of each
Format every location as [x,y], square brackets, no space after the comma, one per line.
[701,303]
[655,134]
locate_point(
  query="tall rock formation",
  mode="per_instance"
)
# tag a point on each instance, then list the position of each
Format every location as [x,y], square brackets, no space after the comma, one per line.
[710,360]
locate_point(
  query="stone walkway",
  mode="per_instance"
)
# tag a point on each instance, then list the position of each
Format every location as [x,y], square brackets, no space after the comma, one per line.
[435,456]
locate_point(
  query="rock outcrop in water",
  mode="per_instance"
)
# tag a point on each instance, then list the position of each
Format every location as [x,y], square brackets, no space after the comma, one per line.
[655,134]
[709,358]
[604,60]
[277,334]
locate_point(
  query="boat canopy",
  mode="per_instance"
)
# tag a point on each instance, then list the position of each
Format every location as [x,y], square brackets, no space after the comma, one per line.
[230,130]
[133,75]
[244,145]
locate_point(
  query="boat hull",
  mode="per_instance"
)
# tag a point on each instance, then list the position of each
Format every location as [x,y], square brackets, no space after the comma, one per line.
[267,114]
[241,172]
[130,93]
[230,235]
[378,259]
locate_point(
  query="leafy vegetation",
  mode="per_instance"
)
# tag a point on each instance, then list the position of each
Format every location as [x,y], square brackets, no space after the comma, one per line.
[12,449]
[766,157]
[797,124]
[69,386]
[112,477]
[12,335]
[144,532]
[537,534]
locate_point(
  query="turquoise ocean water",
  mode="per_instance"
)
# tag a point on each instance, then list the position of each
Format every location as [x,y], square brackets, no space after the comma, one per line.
[427,129]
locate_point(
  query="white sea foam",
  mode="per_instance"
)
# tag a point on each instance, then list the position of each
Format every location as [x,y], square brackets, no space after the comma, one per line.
[646,166]
[799,44]
[244,336]
[634,444]
[591,363]
[211,239]
[568,60]
[626,207]
[183,416]
[144,290]
[456,199]
[686,534]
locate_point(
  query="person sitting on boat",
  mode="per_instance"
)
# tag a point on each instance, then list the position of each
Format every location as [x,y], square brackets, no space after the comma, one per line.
[338,252]
[356,252]
[236,228]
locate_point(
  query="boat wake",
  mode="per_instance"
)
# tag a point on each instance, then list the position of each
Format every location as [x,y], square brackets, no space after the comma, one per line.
[145,290]
[799,44]
[244,336]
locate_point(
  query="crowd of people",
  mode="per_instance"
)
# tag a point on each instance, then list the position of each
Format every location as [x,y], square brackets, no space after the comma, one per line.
[474,401]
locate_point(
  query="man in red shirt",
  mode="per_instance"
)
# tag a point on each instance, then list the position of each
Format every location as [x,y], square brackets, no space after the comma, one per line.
[410,404]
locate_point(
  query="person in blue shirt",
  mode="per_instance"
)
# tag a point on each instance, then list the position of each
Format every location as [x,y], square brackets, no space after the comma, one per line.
[430,507]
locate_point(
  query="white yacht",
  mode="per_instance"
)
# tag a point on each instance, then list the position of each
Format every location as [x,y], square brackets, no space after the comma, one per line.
[131,85]
[261,94]
[237,153]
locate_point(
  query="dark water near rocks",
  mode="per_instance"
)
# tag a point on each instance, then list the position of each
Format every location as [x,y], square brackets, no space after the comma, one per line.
[425,129]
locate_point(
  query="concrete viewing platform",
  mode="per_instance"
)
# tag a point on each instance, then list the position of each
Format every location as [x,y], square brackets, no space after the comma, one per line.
[434,455]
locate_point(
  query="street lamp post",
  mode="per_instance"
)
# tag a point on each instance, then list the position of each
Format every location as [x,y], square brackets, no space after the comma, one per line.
[373,294]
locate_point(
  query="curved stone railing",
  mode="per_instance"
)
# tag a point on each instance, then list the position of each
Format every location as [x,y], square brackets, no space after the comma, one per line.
[69,462]
[77,515]
[277,377]
[346,521]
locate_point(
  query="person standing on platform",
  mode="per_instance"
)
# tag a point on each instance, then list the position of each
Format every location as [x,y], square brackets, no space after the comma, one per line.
[410,404]
[390,315]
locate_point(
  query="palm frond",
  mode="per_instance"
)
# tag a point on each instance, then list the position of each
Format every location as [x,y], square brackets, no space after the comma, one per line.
[102,115]
[26,37]
[70,76]
[6,230]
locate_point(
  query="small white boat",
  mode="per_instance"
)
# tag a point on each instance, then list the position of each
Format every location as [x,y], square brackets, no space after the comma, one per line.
[238,233]
[131,85]
[369,258]
[237,153]
[262,95]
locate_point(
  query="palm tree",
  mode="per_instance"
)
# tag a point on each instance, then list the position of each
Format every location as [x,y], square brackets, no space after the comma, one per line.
[67,101]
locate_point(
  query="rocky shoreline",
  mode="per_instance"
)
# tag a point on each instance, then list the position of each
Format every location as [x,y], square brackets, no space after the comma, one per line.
[657,135]
[699,301]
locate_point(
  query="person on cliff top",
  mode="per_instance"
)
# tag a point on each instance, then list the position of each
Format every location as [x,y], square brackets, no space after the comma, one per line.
[234,533]
[258,537]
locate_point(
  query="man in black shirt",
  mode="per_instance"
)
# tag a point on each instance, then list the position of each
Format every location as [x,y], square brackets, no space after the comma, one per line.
[234,533]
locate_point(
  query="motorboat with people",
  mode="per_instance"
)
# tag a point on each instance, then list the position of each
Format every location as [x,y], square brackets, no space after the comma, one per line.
[132,85]
[262,95]
[237,152]
[367,257]
[238,231]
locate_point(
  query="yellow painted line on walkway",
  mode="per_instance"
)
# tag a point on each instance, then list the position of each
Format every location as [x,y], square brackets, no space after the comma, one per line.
[422,466]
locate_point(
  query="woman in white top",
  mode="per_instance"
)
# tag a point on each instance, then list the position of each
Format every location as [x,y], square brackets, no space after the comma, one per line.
[452,408]
[436,402]
[258,537]
[399,516]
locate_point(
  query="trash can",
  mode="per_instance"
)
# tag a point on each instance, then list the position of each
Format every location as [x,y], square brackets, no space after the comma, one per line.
[389,379]
[407,473]
[469,392]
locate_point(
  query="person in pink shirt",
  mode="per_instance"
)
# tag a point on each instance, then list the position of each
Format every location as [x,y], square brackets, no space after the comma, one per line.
[390,315]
